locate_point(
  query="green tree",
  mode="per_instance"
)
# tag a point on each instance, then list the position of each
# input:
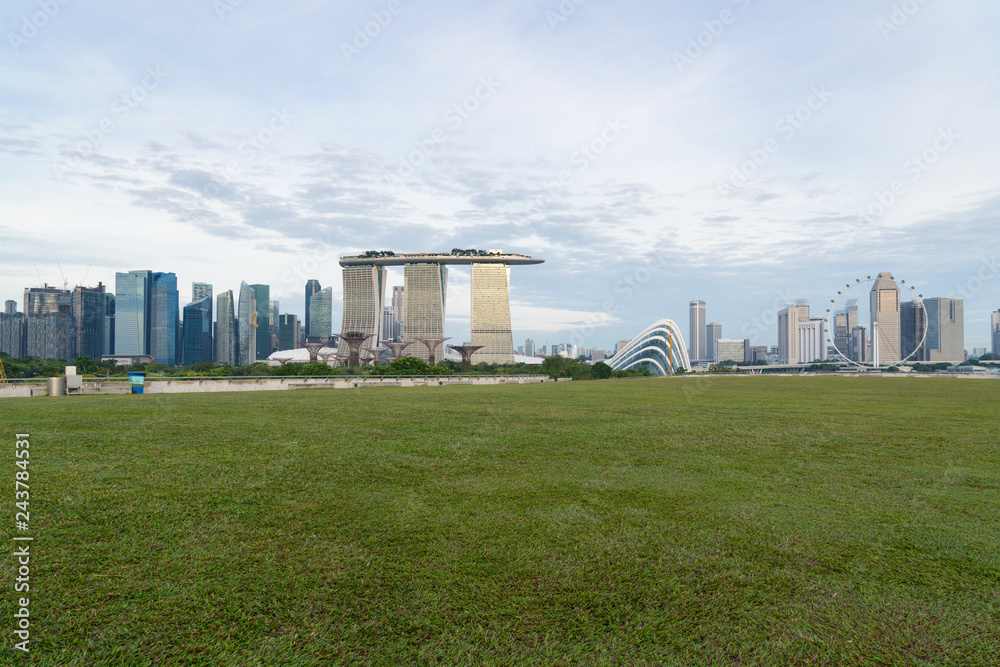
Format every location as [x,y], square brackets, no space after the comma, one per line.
[602,371]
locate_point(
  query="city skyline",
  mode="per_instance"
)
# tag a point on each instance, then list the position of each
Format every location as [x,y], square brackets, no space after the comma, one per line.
[654,153]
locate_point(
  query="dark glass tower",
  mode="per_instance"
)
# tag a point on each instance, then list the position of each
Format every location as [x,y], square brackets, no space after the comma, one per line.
[164,340]
[198,331]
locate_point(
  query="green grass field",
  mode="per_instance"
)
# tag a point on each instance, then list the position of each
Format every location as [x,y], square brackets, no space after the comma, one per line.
[722,521]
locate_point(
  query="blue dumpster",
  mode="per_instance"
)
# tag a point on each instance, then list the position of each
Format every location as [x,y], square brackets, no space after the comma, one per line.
[136,380]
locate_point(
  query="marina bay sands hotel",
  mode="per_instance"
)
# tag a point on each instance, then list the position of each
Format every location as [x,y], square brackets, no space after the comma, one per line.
[425,279]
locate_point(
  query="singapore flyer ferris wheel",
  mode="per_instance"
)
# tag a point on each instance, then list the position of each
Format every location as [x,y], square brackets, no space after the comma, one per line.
[878,322]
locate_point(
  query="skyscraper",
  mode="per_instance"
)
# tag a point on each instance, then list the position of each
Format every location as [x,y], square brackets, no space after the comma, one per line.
[108,333]
[312,286]
[247,319]
[995,331]
[197,347]
[321,315]
[945,330]
[13,333]
[273,312]
[226,336]
[912,322]
[88,318]
[698,347]
[10,307]
[713,332]
[788,332]
[50,325]
[364,301]
[289,331]
[398,302]
[529,347]
[491,326]
[164,319]
[262,295]
[886,343]
[426,297]
[132,312]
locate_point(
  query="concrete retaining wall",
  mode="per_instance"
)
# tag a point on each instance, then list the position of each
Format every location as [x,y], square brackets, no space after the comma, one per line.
[206,385]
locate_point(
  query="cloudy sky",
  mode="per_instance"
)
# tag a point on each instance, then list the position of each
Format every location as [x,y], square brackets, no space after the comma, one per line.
[743,152]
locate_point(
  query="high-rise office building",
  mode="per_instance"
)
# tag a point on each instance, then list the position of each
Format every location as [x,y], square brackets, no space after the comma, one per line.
[262,296]
[10,307]
[289,331]
[698,343]
[730,349]
[885,329]
[13,332]
[364,304]
[860,345]
[205,291]
[197,347]
[529,347]
[398,301]
[164,319]
[312,286]
[132,312]
[51,332]
[108,332]
[426,298]
[321,315]
[273,313]
[491,326]
[912,323]
[388,324]
[812,340]
[995,331]
[89,309]
[226,330]
[788,332]
[945,330]
[713,332]
[247,323]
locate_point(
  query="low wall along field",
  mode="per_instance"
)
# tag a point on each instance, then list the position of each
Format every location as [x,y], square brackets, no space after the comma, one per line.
[750,521]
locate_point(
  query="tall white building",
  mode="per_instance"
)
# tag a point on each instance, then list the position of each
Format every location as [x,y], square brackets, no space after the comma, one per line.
[364,301]
[426,288]
[491,313]
[698,350]
[812,340]
[788,332]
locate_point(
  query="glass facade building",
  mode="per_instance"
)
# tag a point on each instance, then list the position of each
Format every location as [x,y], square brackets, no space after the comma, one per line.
[321,315]
[945,330]
[660,348]
[364,301]
[247,318]
[89,311]
[289,331]
[226,338]
[696,331]
[164,319]
[132,312]
[197,332]
[312,286]
[262,295]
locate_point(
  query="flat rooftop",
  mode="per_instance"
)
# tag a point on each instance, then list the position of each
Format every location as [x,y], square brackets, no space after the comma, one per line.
[402,259]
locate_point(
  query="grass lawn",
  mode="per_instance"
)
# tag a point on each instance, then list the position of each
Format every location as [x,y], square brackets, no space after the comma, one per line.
[721,521]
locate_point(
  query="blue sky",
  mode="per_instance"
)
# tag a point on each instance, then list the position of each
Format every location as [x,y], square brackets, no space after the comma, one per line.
[745,153]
